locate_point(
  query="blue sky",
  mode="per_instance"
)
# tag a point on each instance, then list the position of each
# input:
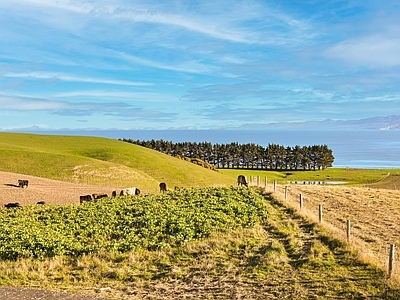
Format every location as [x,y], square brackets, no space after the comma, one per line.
[126,64]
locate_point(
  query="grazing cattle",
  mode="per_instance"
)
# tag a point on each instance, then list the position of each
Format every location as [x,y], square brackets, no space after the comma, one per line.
[241,180]
[132,191]
[99,196]
[23,183]
[11,205]
[41,202]
[114,194]
[85,198]
[163,187]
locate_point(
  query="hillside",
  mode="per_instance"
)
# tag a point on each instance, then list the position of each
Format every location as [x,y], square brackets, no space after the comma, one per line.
[99,161]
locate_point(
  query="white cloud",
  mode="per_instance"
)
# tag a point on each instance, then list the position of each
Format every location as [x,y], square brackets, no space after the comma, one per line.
[19,103]
[113,95]
[225,20]
[65,77]
[370,51]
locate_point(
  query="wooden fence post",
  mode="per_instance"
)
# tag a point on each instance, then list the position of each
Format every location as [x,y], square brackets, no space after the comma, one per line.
[286,192]
[266,181]
[391,259]
[301,201]
[274,185]
[348,230]
[320,213]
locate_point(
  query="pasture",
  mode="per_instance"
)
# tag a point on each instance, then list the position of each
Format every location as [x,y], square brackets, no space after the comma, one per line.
[209,240]
[356,177]
[373,214]
[101,162]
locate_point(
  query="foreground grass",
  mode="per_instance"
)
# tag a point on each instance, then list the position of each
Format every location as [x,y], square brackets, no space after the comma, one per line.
[284,256]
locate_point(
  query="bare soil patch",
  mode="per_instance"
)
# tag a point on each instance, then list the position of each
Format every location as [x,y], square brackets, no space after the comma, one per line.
[43,189]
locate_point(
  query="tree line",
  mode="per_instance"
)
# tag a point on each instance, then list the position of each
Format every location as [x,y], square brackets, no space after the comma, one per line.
[249,156]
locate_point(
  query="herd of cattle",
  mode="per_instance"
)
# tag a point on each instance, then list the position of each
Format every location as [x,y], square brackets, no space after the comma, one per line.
[132,191]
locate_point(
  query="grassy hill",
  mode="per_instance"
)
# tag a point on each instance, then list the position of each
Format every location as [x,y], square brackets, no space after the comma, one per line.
[100,161]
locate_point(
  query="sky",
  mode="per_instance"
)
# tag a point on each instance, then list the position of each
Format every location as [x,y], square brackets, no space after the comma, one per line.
[172,64]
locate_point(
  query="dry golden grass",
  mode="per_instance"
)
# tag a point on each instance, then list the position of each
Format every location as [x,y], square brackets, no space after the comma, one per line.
[374,216]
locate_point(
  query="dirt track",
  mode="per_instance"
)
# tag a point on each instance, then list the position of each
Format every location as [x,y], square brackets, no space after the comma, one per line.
[42,189]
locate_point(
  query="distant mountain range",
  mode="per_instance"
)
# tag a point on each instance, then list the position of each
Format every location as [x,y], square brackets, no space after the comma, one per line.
[375,123]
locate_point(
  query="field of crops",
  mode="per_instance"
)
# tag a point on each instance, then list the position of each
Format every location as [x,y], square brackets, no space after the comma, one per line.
[126,223]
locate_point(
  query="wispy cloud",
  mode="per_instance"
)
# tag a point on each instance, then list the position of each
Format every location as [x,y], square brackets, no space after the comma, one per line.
[66,77]
[19,103]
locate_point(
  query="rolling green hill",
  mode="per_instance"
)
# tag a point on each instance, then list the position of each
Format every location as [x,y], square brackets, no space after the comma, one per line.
[100,161]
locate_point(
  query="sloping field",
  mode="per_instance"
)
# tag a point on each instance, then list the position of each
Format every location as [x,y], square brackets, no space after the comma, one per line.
[391,182]
[100,161]
[42,189]
[374,214]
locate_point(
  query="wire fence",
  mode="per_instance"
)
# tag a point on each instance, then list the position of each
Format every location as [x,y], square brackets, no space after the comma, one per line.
[372,247]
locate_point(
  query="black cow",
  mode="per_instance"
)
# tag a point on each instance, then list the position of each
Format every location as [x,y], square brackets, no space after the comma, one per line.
[11,205]
[163,187]
[99,196]
[241,180]
[85,198]
[41,202]
[23,183]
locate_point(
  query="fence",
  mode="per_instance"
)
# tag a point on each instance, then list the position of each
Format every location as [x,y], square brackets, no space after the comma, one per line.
[381,254]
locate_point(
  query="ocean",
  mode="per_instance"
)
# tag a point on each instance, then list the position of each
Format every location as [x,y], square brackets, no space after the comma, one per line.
[351,148]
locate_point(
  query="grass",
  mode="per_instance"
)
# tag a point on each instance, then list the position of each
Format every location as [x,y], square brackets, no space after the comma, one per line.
[100,161]
[348,175]
[284,257]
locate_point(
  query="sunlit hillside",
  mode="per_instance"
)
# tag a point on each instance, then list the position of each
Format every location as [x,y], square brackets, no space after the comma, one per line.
[100,161]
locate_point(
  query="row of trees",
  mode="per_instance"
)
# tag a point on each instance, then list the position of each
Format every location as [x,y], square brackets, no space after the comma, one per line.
[251,156]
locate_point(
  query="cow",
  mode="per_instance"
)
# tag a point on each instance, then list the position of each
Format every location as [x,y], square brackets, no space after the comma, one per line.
[41,202]
[132,191]
[85,198]
[12,205]
[241,180]
[99,196]
[23,183]
[163,187]
[114,194]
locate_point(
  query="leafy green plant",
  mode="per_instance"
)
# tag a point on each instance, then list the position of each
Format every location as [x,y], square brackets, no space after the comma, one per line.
[126,223]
